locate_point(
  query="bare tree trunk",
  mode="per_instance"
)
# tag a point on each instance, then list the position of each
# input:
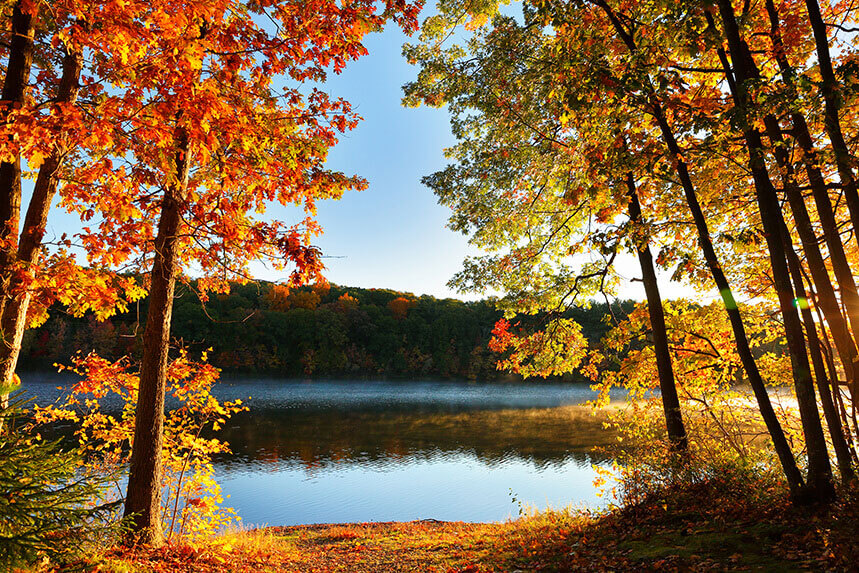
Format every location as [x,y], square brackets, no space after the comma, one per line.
[782,448]
[819,469]
[143,500]
[14,312]
[826,350]
[667,385]
[819,273]
[845,423]
[14,89]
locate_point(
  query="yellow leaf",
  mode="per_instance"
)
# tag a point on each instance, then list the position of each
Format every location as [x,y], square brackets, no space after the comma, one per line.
[476,21]
[36,159]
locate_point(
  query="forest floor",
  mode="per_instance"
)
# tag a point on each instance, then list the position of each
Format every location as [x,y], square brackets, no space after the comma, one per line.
[694,530]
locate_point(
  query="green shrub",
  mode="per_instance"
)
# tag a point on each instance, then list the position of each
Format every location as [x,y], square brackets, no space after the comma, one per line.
[49,504]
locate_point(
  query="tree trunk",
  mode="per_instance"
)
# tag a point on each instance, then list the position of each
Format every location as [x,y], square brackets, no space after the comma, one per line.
[14,312]
[826,350]
[836,434]
[143,500]
[826,216]
[667,385]
[819,273]
[14,89]
[819,469]
[830,91]
[782,448]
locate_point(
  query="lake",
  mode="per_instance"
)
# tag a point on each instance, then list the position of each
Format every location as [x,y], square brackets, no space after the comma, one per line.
[351,451]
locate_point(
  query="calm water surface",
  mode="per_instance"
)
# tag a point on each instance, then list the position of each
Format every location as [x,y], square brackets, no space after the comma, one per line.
[326,451]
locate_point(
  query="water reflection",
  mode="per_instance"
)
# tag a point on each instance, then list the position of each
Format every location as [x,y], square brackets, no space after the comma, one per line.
[331,437]
[339,452]
[315,452]
[452,487]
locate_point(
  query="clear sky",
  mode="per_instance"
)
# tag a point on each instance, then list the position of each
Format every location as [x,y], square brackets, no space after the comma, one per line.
[393,234]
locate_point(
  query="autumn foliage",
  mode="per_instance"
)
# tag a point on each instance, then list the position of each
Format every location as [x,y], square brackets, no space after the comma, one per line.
[711,140]
[552,350]
[169,128]
[400,306]
[102,407]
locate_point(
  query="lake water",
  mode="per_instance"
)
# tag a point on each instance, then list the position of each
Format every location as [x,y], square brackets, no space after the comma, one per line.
[344,451]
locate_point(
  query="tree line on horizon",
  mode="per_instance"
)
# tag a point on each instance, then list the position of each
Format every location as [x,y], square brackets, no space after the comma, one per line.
[331,331]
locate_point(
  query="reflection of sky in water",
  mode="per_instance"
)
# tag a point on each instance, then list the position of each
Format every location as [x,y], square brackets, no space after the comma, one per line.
[334,451]
[450,486]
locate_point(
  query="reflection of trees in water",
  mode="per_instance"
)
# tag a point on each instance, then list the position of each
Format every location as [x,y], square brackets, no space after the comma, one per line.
[272,463]
[322,438]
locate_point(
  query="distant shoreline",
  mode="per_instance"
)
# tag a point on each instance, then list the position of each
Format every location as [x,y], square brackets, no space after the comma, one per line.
[228,376]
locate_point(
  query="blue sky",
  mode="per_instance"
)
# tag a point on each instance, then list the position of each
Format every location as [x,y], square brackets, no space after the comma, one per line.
[393,234]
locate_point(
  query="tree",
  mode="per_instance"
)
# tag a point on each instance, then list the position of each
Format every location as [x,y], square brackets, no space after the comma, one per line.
[400,306]
[560,112]
[209,142]
[745,71]
[51,117]
[831,91]
[50,507]
[665,370]
[546,190]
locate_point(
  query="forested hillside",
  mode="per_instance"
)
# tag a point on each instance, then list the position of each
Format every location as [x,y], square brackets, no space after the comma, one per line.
[309,331]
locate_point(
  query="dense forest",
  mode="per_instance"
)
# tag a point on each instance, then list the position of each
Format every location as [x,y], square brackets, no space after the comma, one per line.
[331,331]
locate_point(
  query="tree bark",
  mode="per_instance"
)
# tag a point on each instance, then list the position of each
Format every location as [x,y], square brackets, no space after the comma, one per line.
[819,469]
[667,385]
[826,214]
[841,335]
[14,311]
[143,500]
[782,448]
